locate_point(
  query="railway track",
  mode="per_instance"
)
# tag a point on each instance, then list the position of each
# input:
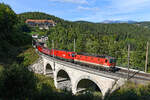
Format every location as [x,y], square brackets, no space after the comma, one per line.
[134,74]
[121,72]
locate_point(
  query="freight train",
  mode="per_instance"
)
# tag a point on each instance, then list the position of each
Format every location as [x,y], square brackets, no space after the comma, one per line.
[102,61]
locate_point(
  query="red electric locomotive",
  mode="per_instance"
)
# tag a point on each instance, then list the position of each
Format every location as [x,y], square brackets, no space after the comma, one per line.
[103,61]
[63,54]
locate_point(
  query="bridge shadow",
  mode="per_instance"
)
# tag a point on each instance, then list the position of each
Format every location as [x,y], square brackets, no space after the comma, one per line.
[86,85]
[49,71]
[63,80]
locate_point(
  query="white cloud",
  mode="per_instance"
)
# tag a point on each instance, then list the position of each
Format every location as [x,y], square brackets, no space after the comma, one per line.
[87,8]
[128,6]
[99,10]
[72,1]
[119,10]
[131,3]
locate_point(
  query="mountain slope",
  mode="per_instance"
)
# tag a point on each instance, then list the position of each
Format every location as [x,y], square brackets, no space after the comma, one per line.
[118,21]
[39,15]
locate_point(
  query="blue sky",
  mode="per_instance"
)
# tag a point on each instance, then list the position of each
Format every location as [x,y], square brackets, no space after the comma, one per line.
[88,10]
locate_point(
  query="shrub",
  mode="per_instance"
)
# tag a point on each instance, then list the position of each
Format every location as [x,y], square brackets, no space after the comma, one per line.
[17,83]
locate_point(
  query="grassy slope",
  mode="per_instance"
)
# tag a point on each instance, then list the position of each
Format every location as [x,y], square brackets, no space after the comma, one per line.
[29,56]
[131,91]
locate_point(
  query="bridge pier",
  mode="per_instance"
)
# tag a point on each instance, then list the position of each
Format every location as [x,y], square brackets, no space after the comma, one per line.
[74,91]
[55,80]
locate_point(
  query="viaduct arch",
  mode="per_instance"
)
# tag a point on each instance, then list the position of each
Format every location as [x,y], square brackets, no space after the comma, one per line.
[72,76]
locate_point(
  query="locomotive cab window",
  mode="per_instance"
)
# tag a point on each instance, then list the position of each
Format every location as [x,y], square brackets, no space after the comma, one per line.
[112,61]
[73,55]
[106,61]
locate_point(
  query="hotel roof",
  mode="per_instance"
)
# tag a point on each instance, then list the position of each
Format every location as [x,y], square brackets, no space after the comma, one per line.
[39,21]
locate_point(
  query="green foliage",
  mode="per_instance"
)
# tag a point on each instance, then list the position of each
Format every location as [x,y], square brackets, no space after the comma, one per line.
[13,35]
[38,15]
[46,91]
[145,24]
[1,68]
[131,91]
[17,82]
[8,19]
[28,56]
[109,39]
[38,31]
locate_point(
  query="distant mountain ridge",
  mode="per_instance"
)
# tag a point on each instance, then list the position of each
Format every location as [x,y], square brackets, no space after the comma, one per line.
[82,21]
[117,21]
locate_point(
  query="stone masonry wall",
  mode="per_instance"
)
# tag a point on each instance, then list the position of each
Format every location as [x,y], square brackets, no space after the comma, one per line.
[37,67]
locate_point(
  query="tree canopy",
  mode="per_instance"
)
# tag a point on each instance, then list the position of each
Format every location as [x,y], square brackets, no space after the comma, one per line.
[97,38]
[8,19]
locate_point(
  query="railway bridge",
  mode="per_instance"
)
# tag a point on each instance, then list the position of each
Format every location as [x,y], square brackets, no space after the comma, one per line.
[76,78]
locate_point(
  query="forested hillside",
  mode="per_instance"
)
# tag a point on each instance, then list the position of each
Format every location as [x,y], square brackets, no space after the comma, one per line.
[13,38]
[38,15]
[97,38]
[109,39]
[145,24]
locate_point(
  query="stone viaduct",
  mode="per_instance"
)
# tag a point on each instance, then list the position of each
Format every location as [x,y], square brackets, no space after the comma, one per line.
[76,78]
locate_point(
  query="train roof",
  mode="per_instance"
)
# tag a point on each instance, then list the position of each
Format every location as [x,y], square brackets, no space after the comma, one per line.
[54,48]
[95,55]
[64,50]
